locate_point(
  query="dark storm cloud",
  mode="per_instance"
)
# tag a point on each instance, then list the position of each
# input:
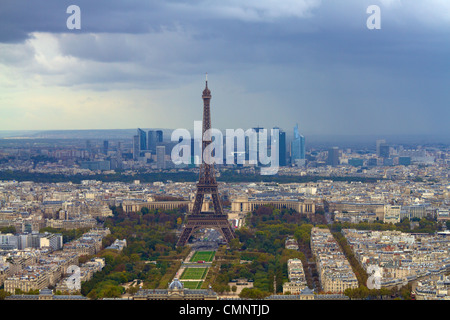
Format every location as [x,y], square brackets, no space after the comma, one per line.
[212,31]
[313,59]
[18,18]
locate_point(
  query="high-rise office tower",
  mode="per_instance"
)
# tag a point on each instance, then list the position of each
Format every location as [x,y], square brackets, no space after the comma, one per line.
[159,136]
[255,147]
[298,150]
[136,151]
[161,157]
[142,139]
[154,138]
[333,156]
[105,147]
[281,147]
[252,146]
[89,147]
[385,151]
[151,141]
[378,144]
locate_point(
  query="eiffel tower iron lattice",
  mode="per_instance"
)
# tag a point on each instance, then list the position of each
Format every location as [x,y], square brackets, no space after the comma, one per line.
[206,185]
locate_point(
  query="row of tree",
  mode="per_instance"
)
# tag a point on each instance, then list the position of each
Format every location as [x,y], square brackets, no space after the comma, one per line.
[426,225]
[359,271]
[363,293]
[180,176]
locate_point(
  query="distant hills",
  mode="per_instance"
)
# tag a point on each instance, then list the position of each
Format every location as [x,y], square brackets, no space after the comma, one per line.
[103,134]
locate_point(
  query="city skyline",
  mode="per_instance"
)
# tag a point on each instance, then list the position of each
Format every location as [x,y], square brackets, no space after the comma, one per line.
[311,62]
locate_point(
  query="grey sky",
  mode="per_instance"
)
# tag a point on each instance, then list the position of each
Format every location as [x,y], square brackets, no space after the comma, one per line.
[270,63]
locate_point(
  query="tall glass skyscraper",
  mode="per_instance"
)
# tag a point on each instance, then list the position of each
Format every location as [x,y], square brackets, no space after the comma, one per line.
[159,136]
[105,147]
[136,151]
[333,156]
[282,147]
[142,139]
[154,138]
[160,157]
[151,141]
[298,150]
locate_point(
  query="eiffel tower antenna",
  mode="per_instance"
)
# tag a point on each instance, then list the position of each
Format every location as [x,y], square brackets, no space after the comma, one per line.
[206,185]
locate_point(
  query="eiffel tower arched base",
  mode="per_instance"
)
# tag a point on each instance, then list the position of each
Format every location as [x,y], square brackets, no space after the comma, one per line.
[206,220]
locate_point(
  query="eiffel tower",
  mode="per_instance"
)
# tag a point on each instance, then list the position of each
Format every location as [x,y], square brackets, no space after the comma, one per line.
[207,185]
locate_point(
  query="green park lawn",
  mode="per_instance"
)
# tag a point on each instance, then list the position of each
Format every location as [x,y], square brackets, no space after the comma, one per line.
[194,273]
[206,256]
[192,284]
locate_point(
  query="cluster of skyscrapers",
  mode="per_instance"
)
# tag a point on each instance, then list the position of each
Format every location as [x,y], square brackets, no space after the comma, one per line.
[151,142]
[145,142]
[297,152]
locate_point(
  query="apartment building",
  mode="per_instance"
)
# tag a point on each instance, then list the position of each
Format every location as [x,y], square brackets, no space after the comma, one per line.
[72,223]
[400,257]
[392,214]
[30,240]
[4,272]
[34,269]
[335,272]
[296,276]
[433,289]
[29,279]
